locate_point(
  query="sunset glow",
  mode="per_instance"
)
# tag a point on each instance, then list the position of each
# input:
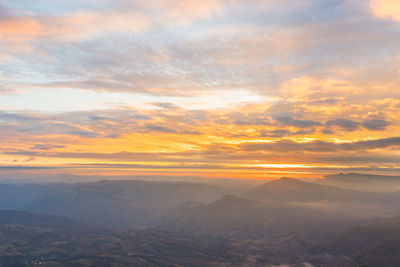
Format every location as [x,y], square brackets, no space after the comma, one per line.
[228,89]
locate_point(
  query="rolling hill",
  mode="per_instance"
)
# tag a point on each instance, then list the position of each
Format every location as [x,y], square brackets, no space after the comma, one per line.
[240,218]
[288,189]
[121,204]
[338,200]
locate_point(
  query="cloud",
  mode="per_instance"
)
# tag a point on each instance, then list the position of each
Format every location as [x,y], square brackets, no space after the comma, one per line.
[289,121]
[305,88]
[16,116]
[376,124]
[13,28]
[230,47]
[158,128]
[13,168]
[183,12]
[350,125]
[284,133]
[20,27]
[252,121]
[81,133]
[305,67]
[4,90]
[386,9]
[123,16]
[46,147]
[322,146]
[345,124]
[140,117]
[166,105]
[327,101]
[275,133]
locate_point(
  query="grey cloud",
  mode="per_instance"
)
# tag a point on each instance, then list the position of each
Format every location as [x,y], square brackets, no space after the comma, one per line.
[190,132]
[350,125]
[82,134]
[10,116]
[158,128]
[164,129]
[369,158]
[302,132]
[53,126]
[327,131]
[381,143]
[283,133]
[289,121]
[26,168]
[166,105]
[329,101]
[275,133]
[99,118]
[34,129]
[376,124]
[345,124]
[46,147]
[113,135]
[252,121]
[108,123]
[140,117]
[322,146]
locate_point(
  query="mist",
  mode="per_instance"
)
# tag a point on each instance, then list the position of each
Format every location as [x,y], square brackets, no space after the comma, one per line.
[282,221]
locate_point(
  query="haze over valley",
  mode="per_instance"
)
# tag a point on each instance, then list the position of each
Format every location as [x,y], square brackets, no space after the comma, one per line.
[132,222]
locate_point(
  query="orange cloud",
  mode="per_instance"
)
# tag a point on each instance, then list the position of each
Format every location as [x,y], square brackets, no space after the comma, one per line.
[126,18]
[71,26]
[308,88]
[15,29]
[386,9]
[179,11]
[80,24]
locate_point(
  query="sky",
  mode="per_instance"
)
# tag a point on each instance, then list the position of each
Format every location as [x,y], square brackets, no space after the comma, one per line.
[212,88]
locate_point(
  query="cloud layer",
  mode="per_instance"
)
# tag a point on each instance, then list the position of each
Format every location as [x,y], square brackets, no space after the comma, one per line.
[221,87]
